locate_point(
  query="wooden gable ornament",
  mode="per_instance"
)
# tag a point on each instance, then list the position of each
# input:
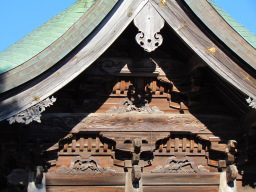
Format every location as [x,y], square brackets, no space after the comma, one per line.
[149,24]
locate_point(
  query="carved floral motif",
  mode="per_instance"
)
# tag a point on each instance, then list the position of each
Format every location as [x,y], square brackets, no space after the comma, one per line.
[33,113]
[80,166]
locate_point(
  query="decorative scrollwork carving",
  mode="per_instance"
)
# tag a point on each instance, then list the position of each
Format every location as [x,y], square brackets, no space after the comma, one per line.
[149,23]
[81,166]
[251,102]
[33,113]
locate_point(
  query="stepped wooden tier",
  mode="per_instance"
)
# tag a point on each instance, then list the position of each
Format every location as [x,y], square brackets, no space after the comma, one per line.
[143,95]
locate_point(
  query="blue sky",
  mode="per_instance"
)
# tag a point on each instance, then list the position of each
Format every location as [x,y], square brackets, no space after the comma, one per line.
[19,17]
[244,11]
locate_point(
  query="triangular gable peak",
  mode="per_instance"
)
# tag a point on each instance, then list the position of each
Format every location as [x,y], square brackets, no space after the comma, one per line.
[109,30]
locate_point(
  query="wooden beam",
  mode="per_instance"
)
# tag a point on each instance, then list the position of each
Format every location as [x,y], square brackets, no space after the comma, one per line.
[83,189]
[181,189]
[178,179]
[100,179]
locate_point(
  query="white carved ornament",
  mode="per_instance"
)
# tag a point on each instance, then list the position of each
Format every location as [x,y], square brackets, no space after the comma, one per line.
[33,113]
[149,23]
[252,102]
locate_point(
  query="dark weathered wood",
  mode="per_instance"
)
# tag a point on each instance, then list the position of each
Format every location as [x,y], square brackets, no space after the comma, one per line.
[223,30]
[177,179]
[84,189]
[201,44]
[164,122]
[100,179]
[181,189]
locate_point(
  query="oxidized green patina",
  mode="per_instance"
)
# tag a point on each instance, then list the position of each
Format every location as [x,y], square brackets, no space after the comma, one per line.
[42,37]
[48,44]
[245,33]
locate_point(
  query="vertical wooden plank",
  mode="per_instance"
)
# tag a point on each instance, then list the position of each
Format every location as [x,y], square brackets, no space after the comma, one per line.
[65,148]
[176,144]
[168,147]
[192,144]
[93,144]
[172,144]
[161,90]
[161,148]
[122,86]
[97,142]
[184,144]
[154,86]
[199,147]
[118,86]
[89,144]
[73,145]
[81,148]
[105,147]
[115,87]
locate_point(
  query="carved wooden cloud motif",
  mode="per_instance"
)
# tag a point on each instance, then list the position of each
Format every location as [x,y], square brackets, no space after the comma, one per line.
[149,23]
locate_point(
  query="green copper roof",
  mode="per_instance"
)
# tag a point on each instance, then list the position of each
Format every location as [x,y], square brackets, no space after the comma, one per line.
[48,44]
[245,33]
[42,37]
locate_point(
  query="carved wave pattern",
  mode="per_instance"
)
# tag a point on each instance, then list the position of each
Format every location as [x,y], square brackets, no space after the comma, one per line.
[179,166]
[83,167]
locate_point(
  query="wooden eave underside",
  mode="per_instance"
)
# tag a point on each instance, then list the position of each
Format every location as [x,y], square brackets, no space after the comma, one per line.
[106,33]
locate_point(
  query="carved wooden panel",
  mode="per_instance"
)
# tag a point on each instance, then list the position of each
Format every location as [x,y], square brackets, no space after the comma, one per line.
[84,166]
[179,165]
[186,144]
[162,122]
[84,145]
